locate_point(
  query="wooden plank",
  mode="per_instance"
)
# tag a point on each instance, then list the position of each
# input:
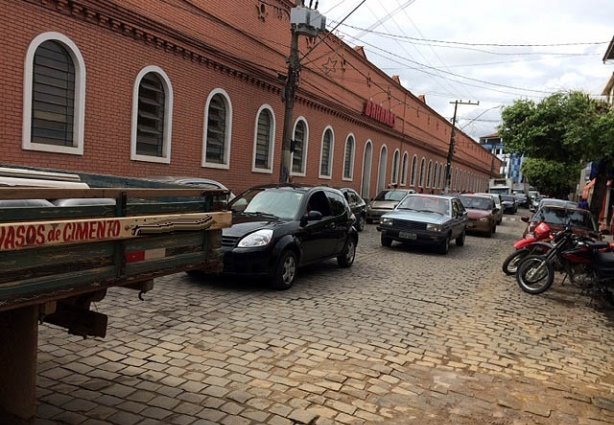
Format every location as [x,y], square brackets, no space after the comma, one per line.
[24,235]
[42,213]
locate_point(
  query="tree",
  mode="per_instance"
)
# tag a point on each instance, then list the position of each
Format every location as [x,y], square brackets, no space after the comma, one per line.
[569,128]
[554,178]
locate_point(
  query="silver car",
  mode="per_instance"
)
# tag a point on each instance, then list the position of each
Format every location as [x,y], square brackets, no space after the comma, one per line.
[384,202]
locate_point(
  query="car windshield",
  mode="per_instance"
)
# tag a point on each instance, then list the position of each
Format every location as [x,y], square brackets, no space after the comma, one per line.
[562,217]
[424,204]
[391,195]
[476,203]
[508,198]
[284,204]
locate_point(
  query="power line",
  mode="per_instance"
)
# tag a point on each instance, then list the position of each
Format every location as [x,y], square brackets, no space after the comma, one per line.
[588,43]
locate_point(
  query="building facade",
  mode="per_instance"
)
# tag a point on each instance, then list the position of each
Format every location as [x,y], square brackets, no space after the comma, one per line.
[510,165]
[144,88]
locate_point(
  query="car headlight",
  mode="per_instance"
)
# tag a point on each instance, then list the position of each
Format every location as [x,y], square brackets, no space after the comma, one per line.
[434,227]
[386,221]
[483,219]
[260,238]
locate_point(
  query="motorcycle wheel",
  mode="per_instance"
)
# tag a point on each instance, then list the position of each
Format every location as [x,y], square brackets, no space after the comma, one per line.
[510,265]
[535,275]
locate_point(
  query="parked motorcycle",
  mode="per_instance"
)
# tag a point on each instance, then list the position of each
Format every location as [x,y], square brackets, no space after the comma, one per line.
[536,244]
[588,264]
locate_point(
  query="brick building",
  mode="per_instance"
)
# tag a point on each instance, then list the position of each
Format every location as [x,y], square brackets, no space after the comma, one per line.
[193,88]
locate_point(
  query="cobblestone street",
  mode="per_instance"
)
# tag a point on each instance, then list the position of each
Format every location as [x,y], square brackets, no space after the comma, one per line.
[405,336]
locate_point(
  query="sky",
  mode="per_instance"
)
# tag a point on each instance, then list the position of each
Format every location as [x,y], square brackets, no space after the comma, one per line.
[489,51]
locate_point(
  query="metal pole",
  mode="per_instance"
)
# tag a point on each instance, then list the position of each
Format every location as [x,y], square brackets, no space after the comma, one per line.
[453,142]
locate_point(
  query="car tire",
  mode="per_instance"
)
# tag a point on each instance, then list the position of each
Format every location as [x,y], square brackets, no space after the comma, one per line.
[369,221]
[494,229]
[460,241]
[444,247]
[387,242]
[195,274]
[285,270]
[346,258]
[360,223]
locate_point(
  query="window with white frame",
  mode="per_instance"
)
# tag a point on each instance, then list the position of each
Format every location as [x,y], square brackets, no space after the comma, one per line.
[264,140]
[430,175]
[348,158]
[436,176]
[414,170]
[218,126]
[54,95]
[152,106]
[395,167]
[422,171]
[404,166]
[326,154]
[300,141]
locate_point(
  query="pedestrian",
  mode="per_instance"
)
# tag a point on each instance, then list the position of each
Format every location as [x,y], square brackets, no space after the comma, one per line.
[583,204]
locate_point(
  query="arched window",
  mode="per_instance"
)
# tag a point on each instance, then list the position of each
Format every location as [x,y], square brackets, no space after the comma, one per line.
[264,144]
[301,141]
[151,120]
[54,95]
[395,167]
[348,158]
[218,127]
[414,170]
[326,153]
[430,175]
[404,166]
[381,175]
[422,170]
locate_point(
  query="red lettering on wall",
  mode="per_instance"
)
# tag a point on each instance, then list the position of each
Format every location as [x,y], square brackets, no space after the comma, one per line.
[378,113]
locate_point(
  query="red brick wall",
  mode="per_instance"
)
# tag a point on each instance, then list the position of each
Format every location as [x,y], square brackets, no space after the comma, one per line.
[113,59]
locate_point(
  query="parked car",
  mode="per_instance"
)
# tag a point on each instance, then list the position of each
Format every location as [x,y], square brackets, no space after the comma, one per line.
[429,219]
[557,217]
[497,198]
[556,202]
[357,205]
[195,182]
[481,211]
[522,199]
[508,202]
[278,228]
[384,202]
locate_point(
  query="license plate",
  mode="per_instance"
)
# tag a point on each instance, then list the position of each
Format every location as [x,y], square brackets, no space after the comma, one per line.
[407,235]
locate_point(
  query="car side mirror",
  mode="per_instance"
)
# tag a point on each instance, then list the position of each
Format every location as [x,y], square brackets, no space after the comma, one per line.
[314,216]
[525,218]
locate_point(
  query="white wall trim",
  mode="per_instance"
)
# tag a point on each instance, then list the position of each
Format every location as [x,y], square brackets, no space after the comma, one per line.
[395,167]
[305,148]
[168,117]
[228,131]
[271,141]
[379,164]
[364,157]
[353,156]
[79,106]
[331,153]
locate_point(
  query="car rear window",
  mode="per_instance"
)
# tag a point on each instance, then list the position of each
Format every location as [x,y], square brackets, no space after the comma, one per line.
[476,203]
[562,217]
[391,195]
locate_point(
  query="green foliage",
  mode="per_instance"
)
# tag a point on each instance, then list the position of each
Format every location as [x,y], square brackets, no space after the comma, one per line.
[567,127]
[551,177]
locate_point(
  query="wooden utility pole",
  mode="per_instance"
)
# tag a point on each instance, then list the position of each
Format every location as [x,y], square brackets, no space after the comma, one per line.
[303,21]
[453,142]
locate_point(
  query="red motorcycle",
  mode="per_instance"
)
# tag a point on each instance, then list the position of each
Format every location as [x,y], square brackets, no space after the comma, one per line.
[537,243]
[588,264]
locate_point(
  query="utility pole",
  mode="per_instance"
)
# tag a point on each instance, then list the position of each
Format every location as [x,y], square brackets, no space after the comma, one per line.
[303,21]
[453,142]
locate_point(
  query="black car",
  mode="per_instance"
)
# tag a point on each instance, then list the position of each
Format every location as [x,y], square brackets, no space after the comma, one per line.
[278,228]
[357,205]
[509,204]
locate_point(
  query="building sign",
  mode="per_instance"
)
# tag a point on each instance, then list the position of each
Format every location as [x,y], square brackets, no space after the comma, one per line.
[16,236]
[378,113]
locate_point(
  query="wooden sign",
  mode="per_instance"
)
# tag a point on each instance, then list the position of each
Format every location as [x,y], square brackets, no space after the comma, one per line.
[16,236]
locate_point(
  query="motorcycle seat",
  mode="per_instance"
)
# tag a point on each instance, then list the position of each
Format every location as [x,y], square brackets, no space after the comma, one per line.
[598,245]
[604,263]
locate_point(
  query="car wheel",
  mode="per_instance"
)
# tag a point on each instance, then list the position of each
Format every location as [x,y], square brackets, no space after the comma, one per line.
[346,258]
[460,241]
[195,274]
[386,241]
[360,223]
[444,247]
[285,271]
[494,228]
[369,221]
